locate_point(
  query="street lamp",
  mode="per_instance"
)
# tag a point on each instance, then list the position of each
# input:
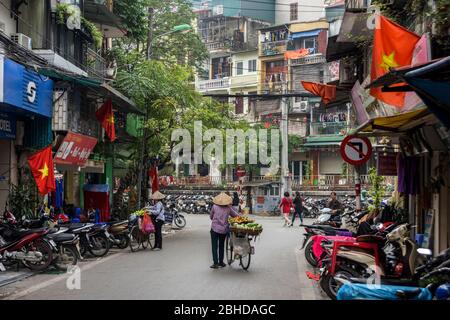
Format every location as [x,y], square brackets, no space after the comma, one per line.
[182,28]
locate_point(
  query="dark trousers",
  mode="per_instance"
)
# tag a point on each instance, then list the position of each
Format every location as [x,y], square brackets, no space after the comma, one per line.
[298,212]
[218,246]
[158,233]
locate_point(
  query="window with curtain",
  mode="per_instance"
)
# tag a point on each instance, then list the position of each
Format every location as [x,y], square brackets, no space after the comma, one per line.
[252,66]
[239,68]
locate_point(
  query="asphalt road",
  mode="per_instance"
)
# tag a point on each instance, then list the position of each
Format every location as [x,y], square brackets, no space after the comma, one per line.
[181,271]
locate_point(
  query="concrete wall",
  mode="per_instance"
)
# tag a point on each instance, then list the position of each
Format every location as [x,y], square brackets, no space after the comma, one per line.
[5,18]
[308,10]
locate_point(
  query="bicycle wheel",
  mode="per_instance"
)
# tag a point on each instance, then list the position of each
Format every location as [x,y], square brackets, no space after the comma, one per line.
[151,240]
[229,250]
[145,240]
[135,239]
[245,261]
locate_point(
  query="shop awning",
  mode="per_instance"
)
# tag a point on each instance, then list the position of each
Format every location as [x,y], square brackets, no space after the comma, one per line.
[322,141]
[305,34]
[96,87]
[337,50]
[431,82]
[396,124]
[259,183]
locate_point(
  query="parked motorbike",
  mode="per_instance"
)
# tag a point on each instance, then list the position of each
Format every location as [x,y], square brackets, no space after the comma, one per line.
[26,246]
[118,234]
[394,256]
[93,238]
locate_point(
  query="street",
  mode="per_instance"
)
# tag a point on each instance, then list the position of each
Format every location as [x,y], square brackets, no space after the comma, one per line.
[181,271]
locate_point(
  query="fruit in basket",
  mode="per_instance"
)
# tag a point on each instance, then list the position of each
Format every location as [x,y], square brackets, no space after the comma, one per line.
[241,220]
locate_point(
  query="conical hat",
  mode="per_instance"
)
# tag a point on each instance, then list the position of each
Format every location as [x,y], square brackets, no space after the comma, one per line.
[157,196]
[223,200]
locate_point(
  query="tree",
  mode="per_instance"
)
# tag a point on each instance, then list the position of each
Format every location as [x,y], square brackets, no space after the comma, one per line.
[184,49]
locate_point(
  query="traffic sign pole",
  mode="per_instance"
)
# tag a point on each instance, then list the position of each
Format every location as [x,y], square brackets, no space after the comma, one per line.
[357,188]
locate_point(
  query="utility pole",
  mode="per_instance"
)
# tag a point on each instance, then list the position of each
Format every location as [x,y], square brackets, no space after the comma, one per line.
[144,134]
[284,143]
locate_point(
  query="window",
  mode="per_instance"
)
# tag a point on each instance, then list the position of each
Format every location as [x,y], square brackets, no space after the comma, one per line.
[251,66]
[294,11]
[239,68]
[239,105]
[309,43]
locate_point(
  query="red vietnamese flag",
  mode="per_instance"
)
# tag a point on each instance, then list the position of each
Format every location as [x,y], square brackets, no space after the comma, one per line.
[105,116]
[393,47]
[41,164]
[327,92]
[153,174]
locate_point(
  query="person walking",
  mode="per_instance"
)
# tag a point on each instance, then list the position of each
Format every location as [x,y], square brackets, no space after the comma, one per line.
[220,212]
[298,208]
[236,202]
[158,218]
[285,206]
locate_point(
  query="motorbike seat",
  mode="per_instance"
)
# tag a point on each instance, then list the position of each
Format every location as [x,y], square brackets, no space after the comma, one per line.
[370,238]
[408,295]
[74,226]
[30,231]
[62,237]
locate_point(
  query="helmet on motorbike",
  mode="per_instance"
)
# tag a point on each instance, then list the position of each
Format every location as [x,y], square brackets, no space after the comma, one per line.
[443,292]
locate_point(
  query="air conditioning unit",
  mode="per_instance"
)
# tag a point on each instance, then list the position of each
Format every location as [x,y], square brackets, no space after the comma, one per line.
[22,40]
[301,106]
[218,10]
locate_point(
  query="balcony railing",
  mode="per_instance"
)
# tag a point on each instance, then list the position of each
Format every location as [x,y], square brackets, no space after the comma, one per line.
[328,128]
[272,48]
[311,59]
[96,65]
[216,46]
[357,4]
[274,86]
[205,85]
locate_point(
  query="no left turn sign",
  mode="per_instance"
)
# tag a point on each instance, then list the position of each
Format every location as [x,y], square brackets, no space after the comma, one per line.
[356,150]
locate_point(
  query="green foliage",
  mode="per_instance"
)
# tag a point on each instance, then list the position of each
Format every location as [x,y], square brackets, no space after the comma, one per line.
[22,201]
[185,49]
[65,10]
[377,188]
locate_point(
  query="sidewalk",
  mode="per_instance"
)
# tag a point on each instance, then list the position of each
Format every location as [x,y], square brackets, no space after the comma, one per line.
[10,276]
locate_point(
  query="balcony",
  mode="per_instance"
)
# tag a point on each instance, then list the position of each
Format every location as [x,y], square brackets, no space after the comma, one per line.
[217,46]
[212,84]
[274,87]
[272,48]
[96,65]
[310,59]
[101,13]
[357,5]
[328,128]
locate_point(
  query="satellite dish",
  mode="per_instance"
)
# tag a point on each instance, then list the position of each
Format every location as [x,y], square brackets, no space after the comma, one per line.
[74,20]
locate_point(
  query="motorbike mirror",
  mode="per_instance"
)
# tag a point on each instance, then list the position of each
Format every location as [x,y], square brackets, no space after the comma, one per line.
[425,251]
[24,218]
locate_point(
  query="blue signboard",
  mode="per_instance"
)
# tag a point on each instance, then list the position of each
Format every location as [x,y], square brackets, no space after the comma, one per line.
[7,126]
[25,89]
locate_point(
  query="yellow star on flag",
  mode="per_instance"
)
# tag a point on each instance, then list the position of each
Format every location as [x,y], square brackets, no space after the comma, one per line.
[388,61]
[110,119]
[44,171]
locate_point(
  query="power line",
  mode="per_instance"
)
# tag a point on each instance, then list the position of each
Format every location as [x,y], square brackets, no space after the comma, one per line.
[276,4]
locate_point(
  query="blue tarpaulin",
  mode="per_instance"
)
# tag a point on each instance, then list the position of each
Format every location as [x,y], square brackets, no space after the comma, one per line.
[359,291]
[304,34]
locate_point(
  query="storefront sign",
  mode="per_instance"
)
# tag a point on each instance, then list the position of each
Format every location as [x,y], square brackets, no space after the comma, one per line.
[387,164]
[25,89]
[7,126]
[75,149]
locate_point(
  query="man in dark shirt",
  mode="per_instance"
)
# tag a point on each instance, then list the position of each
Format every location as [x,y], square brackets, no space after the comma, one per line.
[334,204]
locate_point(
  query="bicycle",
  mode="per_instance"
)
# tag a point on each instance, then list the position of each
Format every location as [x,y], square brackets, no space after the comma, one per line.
[246,249]
[139,238]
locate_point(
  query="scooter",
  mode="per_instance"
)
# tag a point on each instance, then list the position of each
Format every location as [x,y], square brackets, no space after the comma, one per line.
[393,256]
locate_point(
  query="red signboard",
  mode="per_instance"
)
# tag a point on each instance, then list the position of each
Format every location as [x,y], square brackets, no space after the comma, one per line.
[356,150]
[387,164]
[75,149]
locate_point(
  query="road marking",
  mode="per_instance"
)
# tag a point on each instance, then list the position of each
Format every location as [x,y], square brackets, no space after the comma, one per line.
[59,278]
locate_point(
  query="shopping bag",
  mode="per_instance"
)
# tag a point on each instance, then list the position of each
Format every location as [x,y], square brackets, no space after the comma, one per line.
[147,224]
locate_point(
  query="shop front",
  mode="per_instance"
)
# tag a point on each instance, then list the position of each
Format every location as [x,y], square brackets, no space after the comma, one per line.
[26,100]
